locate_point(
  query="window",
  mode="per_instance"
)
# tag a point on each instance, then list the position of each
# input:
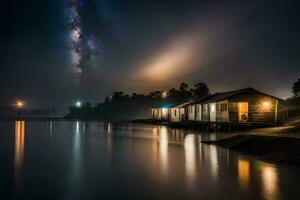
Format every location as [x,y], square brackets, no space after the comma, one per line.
[223,107]
[175,113]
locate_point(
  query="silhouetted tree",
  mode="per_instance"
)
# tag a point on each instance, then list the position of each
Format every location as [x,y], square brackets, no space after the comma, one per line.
[117,95]
[200,90]
[125,106]
[184,86]
[155,94]
[296,88]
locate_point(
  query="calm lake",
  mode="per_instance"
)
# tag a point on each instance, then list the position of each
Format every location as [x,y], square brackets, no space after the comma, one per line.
[95,160]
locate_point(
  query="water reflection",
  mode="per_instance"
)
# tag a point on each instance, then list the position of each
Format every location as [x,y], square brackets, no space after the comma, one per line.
[163,149]
[243,172]
[109,128]
[200,148]
[50,128]
[76,162]
[213,160]
[190,158]
[150,161]
[77,142]
[176,136]
[269,181]
[19,152]
[154,145]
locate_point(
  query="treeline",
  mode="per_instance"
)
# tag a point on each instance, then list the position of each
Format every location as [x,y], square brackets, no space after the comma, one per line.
[125,106]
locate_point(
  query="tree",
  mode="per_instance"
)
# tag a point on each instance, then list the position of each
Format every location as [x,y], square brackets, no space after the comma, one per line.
[201,90]
[117,96]
[296,88]
[183,86]
[155,94]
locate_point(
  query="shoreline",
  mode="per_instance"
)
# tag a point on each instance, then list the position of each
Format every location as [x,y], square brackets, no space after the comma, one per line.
[278,149]
[277,144]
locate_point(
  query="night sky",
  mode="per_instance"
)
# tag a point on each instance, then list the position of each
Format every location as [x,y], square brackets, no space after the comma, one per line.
[54,52]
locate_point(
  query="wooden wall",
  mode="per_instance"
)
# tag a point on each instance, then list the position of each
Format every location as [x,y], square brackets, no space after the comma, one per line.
[191,112]
[256,110]
[205,112]
[198,112]
[222,116]
[173,117]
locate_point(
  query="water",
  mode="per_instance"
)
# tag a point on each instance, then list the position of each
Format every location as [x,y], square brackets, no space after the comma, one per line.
[77,160]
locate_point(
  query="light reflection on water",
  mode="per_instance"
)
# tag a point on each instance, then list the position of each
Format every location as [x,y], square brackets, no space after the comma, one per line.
[145,160]
[244,172]
[190,159]
[19,144]
[76,163]
[163,150]
[269,181]
[19,154]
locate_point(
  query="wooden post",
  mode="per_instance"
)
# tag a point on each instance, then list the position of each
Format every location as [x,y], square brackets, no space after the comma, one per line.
[276,111]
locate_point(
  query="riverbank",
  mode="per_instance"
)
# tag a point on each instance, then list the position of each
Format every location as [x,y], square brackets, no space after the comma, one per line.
[271,148]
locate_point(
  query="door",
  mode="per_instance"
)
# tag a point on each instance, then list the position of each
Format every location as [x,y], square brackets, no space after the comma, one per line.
[243,111]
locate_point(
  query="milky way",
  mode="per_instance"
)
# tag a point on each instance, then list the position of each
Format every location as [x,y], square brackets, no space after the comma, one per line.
[86,46]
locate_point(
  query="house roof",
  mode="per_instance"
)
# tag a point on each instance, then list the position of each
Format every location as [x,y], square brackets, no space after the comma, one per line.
[215,97]
[198,100]
[181,105]
[226,95]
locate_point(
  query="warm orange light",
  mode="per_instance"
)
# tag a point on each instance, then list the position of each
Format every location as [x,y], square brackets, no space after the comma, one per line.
[266,104]
[20,104]
[243,167]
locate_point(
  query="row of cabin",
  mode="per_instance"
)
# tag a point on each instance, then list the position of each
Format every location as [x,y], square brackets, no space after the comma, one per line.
[239,106]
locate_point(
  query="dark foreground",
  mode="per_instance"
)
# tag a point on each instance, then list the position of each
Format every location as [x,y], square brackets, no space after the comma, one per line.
[279,149]
[94,160]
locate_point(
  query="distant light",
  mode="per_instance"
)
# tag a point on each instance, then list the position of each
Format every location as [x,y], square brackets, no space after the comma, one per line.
[20,104]
[164,94]
[77,70]
[78,104]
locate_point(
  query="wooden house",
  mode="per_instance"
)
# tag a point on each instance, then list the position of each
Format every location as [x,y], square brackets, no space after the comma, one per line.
[161,112]
[191,112]
[178,112]
[194,110]
[240,106]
